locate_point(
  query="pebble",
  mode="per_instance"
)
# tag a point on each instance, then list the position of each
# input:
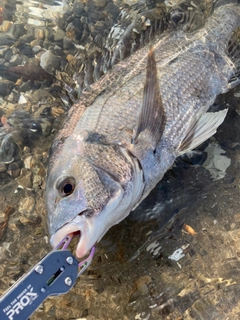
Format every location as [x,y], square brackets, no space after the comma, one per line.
[3,167]
[50,62]
[36,49]
[14,173]
[3,51]
[28,162]
[18,30]
[59,35]
[46,127]
[15,60]
[5,26]
[67,43]
[6,39]
[42,95]
[26,205]
[37,181]
[39,34]
[57,111]
[25,180]
[22,99]
[5,87]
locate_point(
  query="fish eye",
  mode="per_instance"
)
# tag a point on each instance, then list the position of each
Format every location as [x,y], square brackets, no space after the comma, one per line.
[66,186]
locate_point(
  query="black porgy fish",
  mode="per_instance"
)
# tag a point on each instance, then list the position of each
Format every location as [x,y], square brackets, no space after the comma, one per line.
[121,137]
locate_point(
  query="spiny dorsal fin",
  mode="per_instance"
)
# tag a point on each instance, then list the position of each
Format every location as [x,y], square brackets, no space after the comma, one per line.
[152,116]
[201,129]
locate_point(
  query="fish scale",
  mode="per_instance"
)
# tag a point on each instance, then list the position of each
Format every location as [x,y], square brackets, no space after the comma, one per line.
[125,132]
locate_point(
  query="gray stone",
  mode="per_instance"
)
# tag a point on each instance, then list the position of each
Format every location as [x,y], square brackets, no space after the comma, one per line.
[67,43]
[25,179]
[37,181]
[46,127]
[3,167]
[59,35]
[42,95]
[50,62]
[15,60]
[26,205]
[3,51]
[5,87]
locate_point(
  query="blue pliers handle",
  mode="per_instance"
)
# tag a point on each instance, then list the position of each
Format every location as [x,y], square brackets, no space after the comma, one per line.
[55,274]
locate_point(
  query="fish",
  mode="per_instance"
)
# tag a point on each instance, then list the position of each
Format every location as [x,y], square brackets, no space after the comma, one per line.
[126,131]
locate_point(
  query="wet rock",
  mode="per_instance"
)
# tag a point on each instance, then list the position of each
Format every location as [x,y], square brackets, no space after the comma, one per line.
[25,179]
[46,127]
[29,162]
[58,50]
[25,86]
[8,108]
[36,49]
[5,87]
[37,181]
[3,167]
[22,99]
[78,8]
[8,149]
[57,111]
[19,30]
[50,62]
[67,43]
[13,97]
[6,39]
[2,62]
[36,42]
[73,32]
[26,50]
[30,71]
[14,173]
[15,60]
[8,54]
[216,162]
[97,3]
[43,96]
[5,213]
[3,51]
[59,35]
[39,33]
[16,165]
[5,26]
[26,205]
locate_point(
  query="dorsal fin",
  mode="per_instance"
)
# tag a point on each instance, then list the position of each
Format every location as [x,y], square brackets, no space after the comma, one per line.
[152,115]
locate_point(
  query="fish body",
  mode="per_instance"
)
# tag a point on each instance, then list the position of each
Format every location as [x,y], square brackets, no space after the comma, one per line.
[121,138]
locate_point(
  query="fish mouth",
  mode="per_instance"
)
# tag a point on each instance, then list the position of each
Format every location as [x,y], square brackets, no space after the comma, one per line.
[81,227]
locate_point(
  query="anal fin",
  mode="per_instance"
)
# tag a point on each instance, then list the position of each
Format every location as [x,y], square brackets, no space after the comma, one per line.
[201,129]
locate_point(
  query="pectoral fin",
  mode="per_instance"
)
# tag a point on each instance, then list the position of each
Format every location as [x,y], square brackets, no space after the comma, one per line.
[201,129]
[152,116]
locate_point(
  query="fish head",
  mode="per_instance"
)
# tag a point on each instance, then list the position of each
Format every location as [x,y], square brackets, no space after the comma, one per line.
[85,199]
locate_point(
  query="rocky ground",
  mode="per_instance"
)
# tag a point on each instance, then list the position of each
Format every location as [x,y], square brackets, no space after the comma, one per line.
[183,269]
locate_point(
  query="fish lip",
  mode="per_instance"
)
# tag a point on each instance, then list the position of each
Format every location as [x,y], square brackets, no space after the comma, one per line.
[59,234]
[80,224]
